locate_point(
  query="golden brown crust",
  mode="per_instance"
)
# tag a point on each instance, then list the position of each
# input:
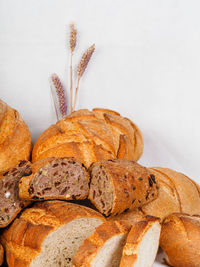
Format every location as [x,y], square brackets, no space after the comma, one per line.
[90,136]
[132,184]
[1,254]
[15,137]
[180,240]
[91,246]
[23,239]
[135,236]
[25,182]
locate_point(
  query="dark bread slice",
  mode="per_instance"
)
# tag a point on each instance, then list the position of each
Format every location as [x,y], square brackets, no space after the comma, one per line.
[120,184]
[55,178]
[11,205]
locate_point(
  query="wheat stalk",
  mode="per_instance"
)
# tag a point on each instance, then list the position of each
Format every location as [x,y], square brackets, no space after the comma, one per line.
[73,34]
[82,67]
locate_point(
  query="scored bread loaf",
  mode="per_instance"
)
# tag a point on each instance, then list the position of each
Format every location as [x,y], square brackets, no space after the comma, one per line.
[55,178]
[15,138]
[142,243]
[89,136]
[180,240]
[48,234]
[1,254]
[10,203]
[120,184]
[177,193]
[104,247]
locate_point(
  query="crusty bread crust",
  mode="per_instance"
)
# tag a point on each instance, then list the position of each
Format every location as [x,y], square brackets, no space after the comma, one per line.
[90,136]
[24,238]
[180,240]
[135,236]
[132,184]
[25,182]
[91,246]
[15,137]
[1,254]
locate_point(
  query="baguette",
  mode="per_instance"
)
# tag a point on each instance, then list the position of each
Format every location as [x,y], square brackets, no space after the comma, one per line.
[104,247]
[48,234]
[1,254]
[90,136]
[142,243]
[55,178]
[180,240]
[120,184]
[15,138]
[11,204]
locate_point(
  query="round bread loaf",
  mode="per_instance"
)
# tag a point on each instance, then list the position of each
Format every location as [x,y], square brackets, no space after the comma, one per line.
[1,254]
[15,137]
[180,240]
[90,136]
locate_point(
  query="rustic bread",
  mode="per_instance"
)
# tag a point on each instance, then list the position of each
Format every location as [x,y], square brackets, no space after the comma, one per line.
[177,193]
[90,136]
[142,243]
[11,205]
[120,184]
[15,138]
[49,234]
[104,247]
[55,178]
[1,254]
[180,240]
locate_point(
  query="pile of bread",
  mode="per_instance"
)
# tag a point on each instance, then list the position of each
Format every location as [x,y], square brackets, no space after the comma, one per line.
[83,200]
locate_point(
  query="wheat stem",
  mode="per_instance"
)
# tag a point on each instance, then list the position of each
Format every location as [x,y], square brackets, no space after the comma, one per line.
[76,92]
[71,84]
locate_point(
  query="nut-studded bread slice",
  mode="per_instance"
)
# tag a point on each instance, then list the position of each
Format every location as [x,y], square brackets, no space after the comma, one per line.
[142,243]
[120,184]
[104,247]
[1,254]
[10,203]
[49,234]
[55,178]
[15,138]
[90,136]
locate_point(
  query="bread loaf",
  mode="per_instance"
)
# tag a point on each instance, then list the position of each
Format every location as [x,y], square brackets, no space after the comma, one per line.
[177,193]
[90,136]
[48,234]
[55,178]
[10,204]
[15,138]
[180,240]
[104,247]
[142,243]
[120,184]
[1,254]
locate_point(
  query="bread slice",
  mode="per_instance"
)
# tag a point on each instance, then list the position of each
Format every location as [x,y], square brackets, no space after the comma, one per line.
[49,234]
[10,204]
[1,254]
[104,247]
[120,184]
[55,178]
[142,243]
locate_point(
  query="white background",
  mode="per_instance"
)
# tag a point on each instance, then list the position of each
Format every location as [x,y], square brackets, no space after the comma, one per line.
[146,66]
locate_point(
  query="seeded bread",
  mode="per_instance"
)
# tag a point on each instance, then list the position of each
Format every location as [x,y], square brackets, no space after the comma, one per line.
[1,254]
[15,138]
[120,184]
[11,204]
[90,136]
[104,247]
[180,240]
[48,234]
[55,178]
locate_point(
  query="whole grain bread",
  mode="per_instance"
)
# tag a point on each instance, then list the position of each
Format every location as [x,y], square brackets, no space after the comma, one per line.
[89,136]
[180,240]
[48,234]
[55,178]
[120,184]
[15,138]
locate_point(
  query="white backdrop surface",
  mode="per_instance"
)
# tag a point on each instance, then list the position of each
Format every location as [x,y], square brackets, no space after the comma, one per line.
[146,66]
